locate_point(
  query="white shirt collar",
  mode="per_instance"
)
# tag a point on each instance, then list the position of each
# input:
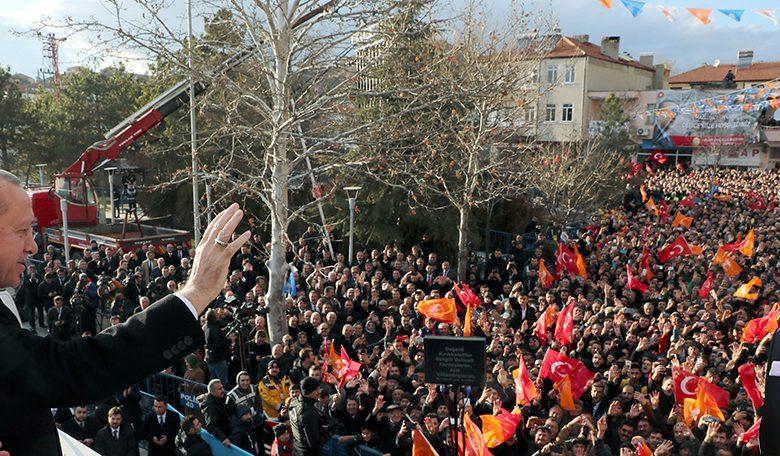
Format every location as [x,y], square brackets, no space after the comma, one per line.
[6,298]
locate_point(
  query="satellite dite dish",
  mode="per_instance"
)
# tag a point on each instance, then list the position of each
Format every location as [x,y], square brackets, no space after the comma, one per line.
[716,63]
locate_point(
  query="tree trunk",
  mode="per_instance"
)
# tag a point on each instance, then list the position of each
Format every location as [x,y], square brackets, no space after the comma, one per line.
[277,263]
[463,243]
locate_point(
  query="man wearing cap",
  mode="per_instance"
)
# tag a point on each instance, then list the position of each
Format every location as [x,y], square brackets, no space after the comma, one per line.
[306,421]
[274,390]
[106,363]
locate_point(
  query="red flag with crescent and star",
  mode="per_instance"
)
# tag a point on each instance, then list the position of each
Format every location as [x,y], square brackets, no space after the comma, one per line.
[678,247]
[659,157]
[686,386]
[556,366]
[565,260]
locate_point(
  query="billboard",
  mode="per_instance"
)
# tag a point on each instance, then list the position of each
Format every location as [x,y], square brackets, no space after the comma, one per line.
[701,120]
[745,156]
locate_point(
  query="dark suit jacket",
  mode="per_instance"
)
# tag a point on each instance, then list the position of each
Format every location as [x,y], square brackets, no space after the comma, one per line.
[64,331]
[152,428]
[71,428]
[38,372]
[125,445]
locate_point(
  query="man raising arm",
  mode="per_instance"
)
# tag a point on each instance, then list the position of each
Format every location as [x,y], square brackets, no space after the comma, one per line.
[38,372]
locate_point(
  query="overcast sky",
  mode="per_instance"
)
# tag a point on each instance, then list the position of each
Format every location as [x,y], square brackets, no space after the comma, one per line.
[685,42]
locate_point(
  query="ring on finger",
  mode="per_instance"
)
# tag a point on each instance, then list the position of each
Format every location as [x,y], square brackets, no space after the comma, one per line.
[220,242]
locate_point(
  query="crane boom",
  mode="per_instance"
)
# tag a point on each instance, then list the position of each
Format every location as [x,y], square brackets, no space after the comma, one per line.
[136,125]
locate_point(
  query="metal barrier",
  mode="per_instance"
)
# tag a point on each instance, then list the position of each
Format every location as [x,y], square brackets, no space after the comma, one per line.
[182,393]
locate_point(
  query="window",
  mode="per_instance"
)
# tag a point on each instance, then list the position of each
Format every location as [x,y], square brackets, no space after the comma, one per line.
[530,114]
[549,113]
[567,113]
[552,74]
[568,76]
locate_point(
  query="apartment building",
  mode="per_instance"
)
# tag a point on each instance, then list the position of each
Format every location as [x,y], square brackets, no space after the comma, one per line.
[577,76]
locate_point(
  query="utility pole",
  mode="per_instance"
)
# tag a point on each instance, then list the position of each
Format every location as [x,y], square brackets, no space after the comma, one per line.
[193,133]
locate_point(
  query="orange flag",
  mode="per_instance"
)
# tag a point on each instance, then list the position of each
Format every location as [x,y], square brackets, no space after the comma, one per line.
[757,328]
[546,279]
[581,269]
[748,244]
[643,450]
[651,206]
[704,404]
[420,445]
[727,262]
[744,290]
[681,220]
[335,360]
[497,429]
[467,322]
[442,309]
[702,14]
[564,390]
[525,390]
[696,249]
[606,3]
[474,438]
[643,192]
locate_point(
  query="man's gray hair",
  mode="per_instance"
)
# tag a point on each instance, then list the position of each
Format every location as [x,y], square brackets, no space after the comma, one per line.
[213,385]
[7,178]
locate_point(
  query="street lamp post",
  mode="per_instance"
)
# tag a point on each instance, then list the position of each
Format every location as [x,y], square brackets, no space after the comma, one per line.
[352,194]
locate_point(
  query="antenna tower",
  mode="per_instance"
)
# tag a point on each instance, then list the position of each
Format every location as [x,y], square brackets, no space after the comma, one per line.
[51,61]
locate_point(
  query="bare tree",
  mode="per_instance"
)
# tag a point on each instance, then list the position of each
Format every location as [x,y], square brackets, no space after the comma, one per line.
[471,88]
[572,180]
[284,107]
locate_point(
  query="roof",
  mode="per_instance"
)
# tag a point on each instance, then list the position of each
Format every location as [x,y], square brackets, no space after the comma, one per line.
[757,72]
[568,47]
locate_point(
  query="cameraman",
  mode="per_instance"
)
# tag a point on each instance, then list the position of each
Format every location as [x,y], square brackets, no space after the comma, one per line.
[217,347]
[85,303]
[307,425]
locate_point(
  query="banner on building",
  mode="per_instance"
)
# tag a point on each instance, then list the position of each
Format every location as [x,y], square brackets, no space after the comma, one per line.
[679,123]
[744,156]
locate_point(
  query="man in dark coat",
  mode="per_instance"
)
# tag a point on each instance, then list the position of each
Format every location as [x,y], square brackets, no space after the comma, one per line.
[215,412]
[306,421]
[160,428]
[88,369]
[116,439]
[81,426]
[60,320]
[189,441]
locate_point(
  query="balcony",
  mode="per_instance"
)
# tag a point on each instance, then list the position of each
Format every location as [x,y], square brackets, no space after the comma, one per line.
[770,135]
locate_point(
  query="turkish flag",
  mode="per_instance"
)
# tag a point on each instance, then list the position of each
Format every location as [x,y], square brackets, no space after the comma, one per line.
[565,260]
[556,366]
[663,210]
[467,296]
[659,157]
[688,201]
[677,248]
[541,326]
[747,375]
[744,246]
[644,264]
[706,287]
[420,445]
[633,283]
[525,390]
[686,386]
[564,326]
[752,432]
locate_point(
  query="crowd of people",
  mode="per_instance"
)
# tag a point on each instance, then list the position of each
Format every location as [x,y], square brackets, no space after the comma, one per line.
[286,396]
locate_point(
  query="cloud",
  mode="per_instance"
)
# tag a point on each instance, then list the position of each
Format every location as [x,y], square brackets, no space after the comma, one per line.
[27,13]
